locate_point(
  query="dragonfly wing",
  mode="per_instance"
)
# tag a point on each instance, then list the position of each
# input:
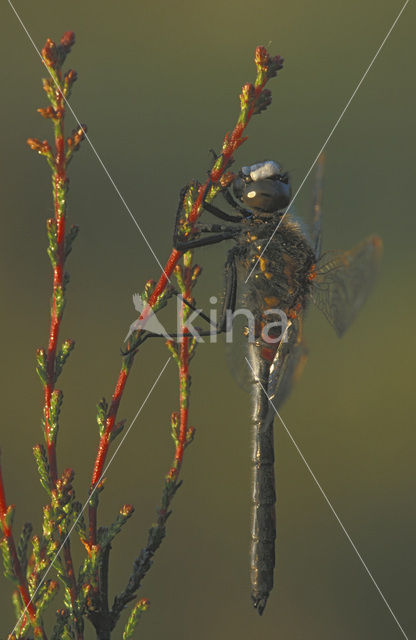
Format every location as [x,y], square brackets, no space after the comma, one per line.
[287,365]
[343,284]
[236,353]
[291,372]
[236,339]
[316,223]
[311,223]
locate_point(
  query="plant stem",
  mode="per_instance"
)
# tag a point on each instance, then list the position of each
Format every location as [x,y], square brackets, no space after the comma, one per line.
[184,378]
[60,184]
[59,191]
[17,569]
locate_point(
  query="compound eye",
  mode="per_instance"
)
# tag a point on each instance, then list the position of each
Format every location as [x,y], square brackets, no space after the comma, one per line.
[266,195]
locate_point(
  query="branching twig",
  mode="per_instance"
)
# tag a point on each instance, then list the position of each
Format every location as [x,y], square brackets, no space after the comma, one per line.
[12,566]
[87,595]
[50,363]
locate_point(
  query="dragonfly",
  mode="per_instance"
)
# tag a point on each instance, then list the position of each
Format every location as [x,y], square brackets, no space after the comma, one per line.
[276,262]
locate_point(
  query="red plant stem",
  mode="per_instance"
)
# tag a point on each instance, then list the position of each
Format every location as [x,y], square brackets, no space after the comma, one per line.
[17,569]
[116,398]
[60,180]
[183,383]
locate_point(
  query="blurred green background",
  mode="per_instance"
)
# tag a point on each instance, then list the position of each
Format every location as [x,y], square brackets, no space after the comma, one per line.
[158,87]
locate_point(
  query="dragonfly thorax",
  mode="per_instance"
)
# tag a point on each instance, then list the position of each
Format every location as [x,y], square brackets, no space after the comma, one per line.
[282,265]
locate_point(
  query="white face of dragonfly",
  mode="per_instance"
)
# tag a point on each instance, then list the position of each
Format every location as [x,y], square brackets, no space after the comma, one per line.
[262,170]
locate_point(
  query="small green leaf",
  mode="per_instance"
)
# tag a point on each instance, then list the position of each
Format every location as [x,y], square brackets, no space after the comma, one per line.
[36,548]
[46,593]
[62,356]
[109,533]
[69,79]
[52,249]
[174,351]
[49,523]
[52,232]
[174,422]
[49,90]
[79,520]
[60,188]
[43,466]
[62,616]
[23,628]
[102,408]
[246,99]
[9,515]
[7,561]
[190,433]
[52,256]
[190,197]
[59,300]
[54,412]
[68,634]
[23,545]
[134,617]
[74,141]
[93,501]
[41,366]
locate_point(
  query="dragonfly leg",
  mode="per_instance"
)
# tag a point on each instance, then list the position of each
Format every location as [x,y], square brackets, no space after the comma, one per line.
[220,232]
[229,198]
[230,297]
[230,294]
[216,211]
[186,245]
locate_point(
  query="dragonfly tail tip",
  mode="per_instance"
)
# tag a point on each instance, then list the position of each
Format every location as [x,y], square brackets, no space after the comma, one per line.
[259,603]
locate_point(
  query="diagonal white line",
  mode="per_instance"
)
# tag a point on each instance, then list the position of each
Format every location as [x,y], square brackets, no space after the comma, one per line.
[330,506]
[331,133]
[92,146]
[91,494]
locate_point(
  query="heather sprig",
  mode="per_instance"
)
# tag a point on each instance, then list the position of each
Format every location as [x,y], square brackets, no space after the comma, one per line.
[27,564]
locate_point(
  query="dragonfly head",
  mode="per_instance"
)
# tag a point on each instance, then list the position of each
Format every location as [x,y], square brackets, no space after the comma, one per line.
[264,187]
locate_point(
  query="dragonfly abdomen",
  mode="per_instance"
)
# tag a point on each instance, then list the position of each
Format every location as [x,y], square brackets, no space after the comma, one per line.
[263,530]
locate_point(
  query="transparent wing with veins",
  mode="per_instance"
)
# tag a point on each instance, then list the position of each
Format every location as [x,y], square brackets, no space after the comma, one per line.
[344,282]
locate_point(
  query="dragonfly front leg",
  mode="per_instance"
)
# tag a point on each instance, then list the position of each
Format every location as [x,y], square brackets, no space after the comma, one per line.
[229,198]
[220,233]
[216,211]
[216,328]
[194,243]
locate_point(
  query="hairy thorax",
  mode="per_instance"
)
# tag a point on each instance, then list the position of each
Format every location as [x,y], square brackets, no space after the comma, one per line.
[284,265]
